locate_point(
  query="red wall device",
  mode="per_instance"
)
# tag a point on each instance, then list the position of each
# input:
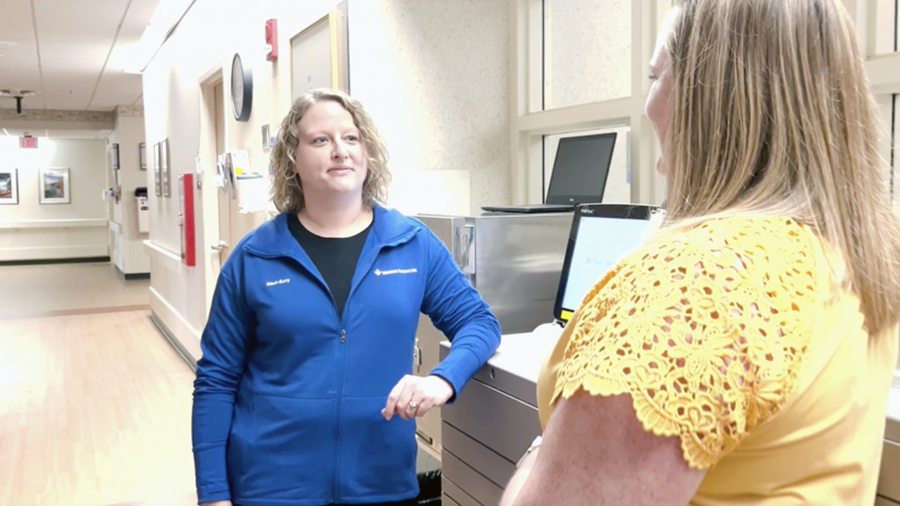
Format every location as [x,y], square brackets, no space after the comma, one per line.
[272,39]
[186,219]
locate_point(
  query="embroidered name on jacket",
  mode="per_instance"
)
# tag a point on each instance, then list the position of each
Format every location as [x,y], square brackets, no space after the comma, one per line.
[379,272]
[279,282]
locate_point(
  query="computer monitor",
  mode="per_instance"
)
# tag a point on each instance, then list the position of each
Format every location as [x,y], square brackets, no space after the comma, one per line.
[602,234]
[581,169]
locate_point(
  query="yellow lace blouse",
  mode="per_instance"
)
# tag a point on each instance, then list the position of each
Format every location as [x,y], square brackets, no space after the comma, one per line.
[735,337]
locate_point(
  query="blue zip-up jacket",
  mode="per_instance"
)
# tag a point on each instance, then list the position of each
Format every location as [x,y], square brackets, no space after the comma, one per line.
[288,397]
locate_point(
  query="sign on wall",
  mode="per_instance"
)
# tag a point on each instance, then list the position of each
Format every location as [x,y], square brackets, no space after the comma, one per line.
[28,142]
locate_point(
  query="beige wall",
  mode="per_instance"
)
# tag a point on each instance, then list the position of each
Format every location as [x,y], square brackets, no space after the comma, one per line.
[30,230]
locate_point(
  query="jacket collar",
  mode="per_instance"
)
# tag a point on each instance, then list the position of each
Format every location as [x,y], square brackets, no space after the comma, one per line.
[273,238]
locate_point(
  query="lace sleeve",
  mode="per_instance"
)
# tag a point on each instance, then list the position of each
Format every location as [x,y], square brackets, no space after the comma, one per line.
[706,340]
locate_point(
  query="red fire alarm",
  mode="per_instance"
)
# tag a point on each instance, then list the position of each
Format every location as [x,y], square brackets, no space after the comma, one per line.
[272,40]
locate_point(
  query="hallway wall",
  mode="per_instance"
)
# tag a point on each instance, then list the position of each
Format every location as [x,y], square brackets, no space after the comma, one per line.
[30,230]
[129,255]
[443,112]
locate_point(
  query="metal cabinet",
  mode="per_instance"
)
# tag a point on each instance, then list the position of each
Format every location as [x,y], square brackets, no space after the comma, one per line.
[514,261]
[479,457]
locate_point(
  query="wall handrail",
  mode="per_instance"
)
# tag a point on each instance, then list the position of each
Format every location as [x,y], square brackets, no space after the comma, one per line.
[76,223]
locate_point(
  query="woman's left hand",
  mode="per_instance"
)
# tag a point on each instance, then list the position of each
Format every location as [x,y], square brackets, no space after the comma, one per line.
[414,396]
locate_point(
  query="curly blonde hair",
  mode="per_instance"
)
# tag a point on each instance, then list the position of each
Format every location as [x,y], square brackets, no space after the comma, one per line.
[287,191]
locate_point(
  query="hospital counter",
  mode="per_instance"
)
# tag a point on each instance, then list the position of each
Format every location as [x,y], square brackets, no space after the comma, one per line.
[495,419]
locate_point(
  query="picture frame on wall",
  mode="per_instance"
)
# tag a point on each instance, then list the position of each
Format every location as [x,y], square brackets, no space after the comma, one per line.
[54,186]
[114,156]
[9,186]
[157,169]
[142,148]
[165,168]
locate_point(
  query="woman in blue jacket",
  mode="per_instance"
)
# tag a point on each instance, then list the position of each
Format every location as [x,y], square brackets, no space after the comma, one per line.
[304,395]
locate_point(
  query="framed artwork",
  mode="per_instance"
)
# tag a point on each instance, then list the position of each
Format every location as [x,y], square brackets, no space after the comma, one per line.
[9,186]
[157,175]
[142,147]
[165,168]
[320,54]
[114,156]
[54,186]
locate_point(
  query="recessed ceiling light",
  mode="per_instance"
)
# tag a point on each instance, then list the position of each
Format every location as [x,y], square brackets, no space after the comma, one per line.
[6,43]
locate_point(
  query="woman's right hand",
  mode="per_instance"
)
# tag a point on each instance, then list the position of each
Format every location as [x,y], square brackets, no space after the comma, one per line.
[217,503]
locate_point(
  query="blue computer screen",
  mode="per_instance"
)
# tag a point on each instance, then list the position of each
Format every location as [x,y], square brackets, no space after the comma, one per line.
[600,243]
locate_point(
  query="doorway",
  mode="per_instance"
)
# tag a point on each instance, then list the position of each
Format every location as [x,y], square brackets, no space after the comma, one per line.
[215,199]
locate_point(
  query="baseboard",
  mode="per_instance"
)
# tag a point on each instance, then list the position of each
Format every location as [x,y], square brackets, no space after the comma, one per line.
[49,261]
[185,339]
[131,276]
[37,248]
[173,341]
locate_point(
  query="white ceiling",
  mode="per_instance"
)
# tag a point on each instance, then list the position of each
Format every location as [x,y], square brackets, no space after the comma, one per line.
[70,52]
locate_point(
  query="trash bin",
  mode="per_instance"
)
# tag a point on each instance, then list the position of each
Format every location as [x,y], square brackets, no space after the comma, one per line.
[429,488]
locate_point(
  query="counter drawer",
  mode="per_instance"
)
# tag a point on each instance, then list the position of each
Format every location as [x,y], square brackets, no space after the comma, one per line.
[483,490]
[456,494]
[490,464]
[889,477]
[513,426]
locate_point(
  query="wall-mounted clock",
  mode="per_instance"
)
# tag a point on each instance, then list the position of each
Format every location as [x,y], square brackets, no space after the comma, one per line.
[241,89]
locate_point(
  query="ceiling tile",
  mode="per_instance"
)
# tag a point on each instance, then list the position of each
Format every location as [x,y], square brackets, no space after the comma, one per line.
[75,41]
[18,67]
[75,58]
[116,88]
[15,23]
[65,90]
[84,21]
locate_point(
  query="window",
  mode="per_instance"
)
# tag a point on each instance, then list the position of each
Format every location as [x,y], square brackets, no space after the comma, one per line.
[618,181]
[580,67]
[587,51]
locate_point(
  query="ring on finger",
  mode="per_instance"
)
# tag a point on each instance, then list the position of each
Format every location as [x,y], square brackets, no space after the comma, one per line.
[413,405]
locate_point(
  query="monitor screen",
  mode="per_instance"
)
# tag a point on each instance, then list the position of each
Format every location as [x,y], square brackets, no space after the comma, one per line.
[581,169]
[601,236]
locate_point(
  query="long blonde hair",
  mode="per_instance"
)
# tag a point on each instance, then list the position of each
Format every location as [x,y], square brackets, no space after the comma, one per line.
[287,191]
[772,114]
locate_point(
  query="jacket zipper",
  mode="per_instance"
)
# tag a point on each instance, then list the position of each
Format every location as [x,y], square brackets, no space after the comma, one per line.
[340,393]
[340,411]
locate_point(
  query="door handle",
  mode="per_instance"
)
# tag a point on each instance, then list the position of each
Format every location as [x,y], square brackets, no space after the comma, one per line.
[417,356]
[219,246]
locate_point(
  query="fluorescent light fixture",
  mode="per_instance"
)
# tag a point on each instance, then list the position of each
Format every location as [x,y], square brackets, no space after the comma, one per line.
[166,17]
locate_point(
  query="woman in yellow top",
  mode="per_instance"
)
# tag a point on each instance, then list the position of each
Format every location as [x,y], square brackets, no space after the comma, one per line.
[743,355]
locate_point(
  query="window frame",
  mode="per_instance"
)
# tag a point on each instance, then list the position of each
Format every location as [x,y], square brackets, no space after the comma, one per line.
[530,121]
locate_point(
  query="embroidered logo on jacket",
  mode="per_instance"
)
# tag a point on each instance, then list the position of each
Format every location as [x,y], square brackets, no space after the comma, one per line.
[379,272]
[279,282]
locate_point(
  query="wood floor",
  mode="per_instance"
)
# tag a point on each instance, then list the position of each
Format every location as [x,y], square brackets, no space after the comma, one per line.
[94,403]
